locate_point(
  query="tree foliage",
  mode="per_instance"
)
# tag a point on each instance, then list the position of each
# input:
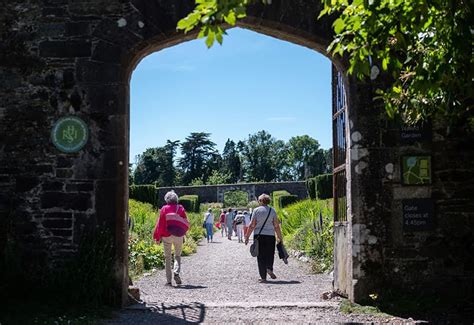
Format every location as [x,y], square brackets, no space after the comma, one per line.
[260,157]
[199,157]
[155,166]
[424,47]
[264,157]
[307,158]
[231,161]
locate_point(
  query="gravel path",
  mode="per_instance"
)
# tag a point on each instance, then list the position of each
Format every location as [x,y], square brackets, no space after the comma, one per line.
[220,286]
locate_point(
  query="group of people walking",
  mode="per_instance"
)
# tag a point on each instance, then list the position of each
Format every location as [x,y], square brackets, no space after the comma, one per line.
[234,222]
[172,225]
[230,222]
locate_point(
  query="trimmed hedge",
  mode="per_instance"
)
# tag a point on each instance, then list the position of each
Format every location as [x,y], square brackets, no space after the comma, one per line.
[276,194]
[190,202]
[144,193]
[285,200]
[311,187]
[324,186]
[282,199]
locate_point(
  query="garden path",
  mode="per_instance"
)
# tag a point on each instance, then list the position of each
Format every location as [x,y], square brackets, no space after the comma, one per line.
[220,286]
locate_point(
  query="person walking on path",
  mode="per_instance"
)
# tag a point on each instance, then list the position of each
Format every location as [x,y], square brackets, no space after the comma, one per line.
[229,223]
[209,222]
[265,224]
[239,226]
[222,222]
[171,228]
[246,222]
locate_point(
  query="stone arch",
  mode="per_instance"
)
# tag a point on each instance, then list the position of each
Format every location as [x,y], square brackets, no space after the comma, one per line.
[249,189]
[288,22]
[79,61]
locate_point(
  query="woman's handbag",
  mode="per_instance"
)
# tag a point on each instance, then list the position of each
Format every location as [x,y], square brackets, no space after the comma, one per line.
[254,246]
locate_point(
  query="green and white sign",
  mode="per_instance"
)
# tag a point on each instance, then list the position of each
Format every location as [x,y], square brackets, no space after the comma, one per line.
[70,134]
[416,170]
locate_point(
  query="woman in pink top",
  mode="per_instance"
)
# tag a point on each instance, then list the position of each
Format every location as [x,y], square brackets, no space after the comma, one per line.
[161,233]
[222,222]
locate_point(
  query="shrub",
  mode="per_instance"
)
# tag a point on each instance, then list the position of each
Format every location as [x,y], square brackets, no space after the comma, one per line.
[190,202]
[324,186]
[236,199]
[143,217]
[144,193]
[307,226]
[276,198]
[285,200]
[311,187]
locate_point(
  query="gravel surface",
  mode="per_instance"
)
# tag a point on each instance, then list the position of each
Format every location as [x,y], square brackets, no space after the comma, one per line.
[220,286]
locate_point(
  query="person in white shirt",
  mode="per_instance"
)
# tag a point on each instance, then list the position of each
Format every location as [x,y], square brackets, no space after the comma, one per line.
[239,226]
[209,223]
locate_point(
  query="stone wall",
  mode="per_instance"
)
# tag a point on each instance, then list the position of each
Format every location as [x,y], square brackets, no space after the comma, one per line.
[215,193]
[61,58]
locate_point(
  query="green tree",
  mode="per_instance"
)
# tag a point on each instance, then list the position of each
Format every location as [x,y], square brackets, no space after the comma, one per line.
[155,166]
[328,160]
[307,159]
[231,161]
[424,46]
[264,157]
[218,177]
[198,157]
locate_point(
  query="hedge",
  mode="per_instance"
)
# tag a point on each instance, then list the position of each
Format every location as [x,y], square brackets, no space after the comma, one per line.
[190,202]
[311,187]
[324,186]
[144,193]
[276,194]
[276,198]
[285,200]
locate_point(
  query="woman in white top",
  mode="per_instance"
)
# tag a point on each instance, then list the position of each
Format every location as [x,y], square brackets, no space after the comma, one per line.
[209,222]
[266,225]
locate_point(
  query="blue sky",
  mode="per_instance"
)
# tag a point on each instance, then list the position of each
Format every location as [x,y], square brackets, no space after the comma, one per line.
[251,83]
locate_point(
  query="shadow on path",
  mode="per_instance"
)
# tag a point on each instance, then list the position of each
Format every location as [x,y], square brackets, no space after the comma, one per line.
[189,287]
[282,282]
[189,313]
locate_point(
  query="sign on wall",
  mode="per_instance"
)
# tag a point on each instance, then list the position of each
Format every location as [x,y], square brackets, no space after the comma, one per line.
[69,134]
[415,133]
[418,214]
[416,170]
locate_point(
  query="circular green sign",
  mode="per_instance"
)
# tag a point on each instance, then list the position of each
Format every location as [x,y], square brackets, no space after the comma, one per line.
[70,134]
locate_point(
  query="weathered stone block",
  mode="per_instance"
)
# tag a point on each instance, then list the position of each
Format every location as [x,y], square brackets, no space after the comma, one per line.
[96,72]
[80,187]
[58,215]
[65,49]
[26,183]
[76,201]
[61,232]
[54,12]
[64,173]
[107,52]
[52,186]
[52,30]
[57,223]
[80,28]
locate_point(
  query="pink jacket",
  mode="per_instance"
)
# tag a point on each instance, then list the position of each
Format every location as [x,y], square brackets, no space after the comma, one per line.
[160,229]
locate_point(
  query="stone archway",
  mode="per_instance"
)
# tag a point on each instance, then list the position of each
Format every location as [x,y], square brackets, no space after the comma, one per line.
[78,61]
[249,189]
